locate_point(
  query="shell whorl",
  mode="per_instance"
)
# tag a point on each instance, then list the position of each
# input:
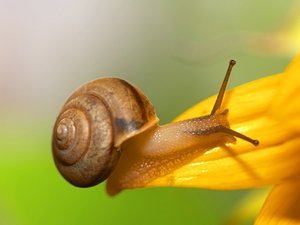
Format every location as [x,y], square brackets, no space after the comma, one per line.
[93,124]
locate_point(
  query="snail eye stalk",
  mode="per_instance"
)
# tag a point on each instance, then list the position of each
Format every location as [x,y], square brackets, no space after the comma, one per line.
[218,104]
[223,88]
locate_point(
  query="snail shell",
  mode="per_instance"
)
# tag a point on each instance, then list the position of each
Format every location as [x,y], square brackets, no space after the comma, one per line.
[92,125]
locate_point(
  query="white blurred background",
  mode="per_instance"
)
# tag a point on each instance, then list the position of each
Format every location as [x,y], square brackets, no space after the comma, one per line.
[47,48]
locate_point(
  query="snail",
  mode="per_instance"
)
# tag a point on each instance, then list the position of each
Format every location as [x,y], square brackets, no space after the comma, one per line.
[108,116]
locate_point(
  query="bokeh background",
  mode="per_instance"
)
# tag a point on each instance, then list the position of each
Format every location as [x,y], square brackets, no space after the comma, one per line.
[175,51]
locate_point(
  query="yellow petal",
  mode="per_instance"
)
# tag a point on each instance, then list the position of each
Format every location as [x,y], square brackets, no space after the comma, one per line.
[247,208]
[282,205]
[266,109]
[286,106]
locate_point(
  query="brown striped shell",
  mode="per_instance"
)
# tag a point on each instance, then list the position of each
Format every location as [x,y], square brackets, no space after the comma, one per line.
[93,124]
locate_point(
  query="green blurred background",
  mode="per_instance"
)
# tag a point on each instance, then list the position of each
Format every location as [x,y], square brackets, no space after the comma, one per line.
[175,51]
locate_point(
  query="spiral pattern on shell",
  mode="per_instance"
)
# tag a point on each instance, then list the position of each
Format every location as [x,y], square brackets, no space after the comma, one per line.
[93,124]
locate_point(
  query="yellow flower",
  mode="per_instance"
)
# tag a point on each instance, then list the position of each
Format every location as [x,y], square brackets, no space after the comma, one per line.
[285,39]
[247,208]
[267,109]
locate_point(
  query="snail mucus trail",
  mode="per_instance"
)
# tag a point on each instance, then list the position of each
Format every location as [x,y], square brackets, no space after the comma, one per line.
[107,116]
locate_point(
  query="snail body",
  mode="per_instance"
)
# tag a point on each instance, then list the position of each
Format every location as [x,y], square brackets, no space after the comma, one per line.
[107,116]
